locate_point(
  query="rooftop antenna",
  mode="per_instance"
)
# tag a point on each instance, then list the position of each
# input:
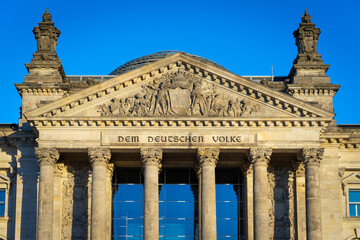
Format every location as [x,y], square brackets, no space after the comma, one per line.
[272,72]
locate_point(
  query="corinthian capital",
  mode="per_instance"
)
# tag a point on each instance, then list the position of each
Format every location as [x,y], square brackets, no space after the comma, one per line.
[260,155]
[312,155]
[47,155]
[99,155]
[208,156]
[151,156]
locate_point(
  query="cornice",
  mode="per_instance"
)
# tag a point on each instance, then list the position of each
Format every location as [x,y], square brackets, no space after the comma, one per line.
[309,90]
[42,89]
[216,75]
[176,122]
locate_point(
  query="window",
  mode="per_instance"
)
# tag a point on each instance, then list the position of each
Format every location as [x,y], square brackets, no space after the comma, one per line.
[128,204]
[178,198]
[2,202]
[354,203]
[229,204]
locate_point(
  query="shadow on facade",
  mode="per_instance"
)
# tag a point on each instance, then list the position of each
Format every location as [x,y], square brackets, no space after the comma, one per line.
[28,172]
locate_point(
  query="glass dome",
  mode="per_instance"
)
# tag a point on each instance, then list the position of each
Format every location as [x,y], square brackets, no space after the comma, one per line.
[142,61]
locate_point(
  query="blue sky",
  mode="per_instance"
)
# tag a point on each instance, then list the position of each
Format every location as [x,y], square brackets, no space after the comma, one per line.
[246,37]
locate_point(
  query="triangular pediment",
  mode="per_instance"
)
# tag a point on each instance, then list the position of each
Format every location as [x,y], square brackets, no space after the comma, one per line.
[179,87]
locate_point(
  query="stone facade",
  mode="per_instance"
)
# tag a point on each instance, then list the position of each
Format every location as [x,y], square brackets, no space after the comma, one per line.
[298,166]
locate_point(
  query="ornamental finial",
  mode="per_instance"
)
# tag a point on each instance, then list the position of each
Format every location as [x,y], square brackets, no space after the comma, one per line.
[46,16]
[306,18]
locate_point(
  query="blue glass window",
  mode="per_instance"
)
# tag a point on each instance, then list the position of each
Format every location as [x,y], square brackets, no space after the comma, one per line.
[2,202]
[229,203]
[128,204]
[354,203]
[178,199]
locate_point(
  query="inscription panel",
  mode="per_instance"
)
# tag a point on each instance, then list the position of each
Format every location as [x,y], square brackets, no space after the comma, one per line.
[187,139]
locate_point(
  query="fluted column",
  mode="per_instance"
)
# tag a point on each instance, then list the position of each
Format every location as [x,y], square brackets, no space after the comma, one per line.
[312,158]
[99,159]
[47,158]
[151,160]
[198,174]
[208,159]
[260,158]
[109,176]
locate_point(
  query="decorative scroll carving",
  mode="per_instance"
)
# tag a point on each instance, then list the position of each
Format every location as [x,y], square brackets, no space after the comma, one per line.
[151,156]
[67,206]
[178,94]
[299,167]
[260,155]
[312,155]
[47,155]
[110,170]
[99,155]
[197,169]
[75,205]
[208,156]
[59,169]
[246,167]
[271,212]
[282,210]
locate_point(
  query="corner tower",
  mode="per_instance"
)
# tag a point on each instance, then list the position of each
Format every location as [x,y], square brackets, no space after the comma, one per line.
[308,74]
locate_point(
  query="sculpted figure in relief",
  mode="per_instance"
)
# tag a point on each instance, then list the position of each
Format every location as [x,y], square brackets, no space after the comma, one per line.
[178,94]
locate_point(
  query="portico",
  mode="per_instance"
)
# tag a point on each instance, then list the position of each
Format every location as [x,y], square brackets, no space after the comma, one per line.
[180,147]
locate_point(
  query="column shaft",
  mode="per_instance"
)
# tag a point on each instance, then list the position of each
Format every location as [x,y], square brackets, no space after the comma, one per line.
[312,158]
[198,173]
[260,158]
[208,203]
[151,159]
[98,159]
[207,159]
[47,159]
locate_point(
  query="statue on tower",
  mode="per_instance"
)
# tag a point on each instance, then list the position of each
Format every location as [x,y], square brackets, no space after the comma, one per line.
[45,57]
[306,37]
[46,35]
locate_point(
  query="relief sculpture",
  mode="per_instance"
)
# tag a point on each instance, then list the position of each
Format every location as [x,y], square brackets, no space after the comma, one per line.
[282,213]
[75,207]
[178,94]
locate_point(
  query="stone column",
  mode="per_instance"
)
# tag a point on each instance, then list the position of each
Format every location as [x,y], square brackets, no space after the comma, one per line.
[47,158]
[198,174]
[151,161]
[208,158]
[109,176]
[260,158]
[312,158]
[99,159]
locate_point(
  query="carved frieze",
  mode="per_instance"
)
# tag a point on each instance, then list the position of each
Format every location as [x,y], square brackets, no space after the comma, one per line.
[208,156]
[47,155]
[179,94]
